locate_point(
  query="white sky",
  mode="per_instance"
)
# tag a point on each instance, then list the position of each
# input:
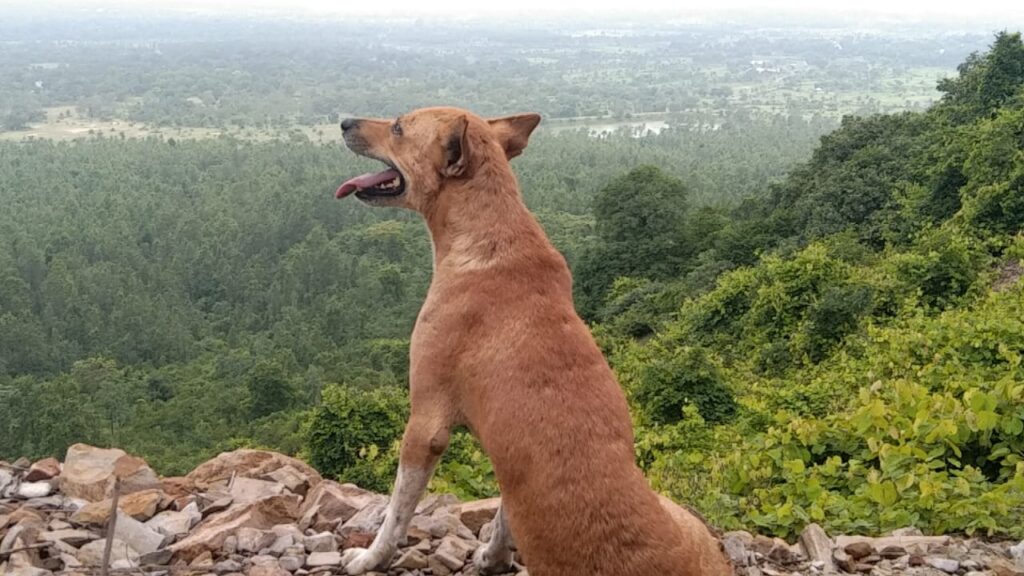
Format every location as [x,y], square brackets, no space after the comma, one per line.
[912,9]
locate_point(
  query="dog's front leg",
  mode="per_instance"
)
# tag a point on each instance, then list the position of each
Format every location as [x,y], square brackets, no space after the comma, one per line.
[496,556]
[425,440]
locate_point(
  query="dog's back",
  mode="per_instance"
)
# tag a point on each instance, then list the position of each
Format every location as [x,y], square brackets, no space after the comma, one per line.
[535,388]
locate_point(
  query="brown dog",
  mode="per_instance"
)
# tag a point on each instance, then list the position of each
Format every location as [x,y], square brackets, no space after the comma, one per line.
[499,348]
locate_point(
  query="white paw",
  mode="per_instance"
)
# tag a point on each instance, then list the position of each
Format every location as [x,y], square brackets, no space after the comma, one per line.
[359,561]
[489,561]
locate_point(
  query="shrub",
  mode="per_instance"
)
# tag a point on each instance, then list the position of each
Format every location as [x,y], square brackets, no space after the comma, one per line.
[349,429]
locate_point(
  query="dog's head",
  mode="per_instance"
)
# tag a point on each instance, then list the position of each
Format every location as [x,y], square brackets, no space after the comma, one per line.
[427,151]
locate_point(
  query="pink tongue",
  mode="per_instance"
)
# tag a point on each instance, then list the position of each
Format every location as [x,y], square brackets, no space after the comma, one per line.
[365,181]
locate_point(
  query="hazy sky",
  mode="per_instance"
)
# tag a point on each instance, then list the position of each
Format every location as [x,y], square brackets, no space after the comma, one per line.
[913,9]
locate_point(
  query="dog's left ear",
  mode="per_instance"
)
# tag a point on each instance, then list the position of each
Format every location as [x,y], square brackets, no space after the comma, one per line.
[514,131]
[457,148]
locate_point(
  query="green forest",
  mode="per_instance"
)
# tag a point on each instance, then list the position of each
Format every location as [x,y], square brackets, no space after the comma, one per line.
[808,329]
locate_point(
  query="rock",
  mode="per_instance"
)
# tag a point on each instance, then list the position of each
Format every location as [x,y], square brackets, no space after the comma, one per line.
[412,560]
[218,505]
[908,531]
[844,561]
[1017,553]
[367,520]
[43,470]
[859,550]
[142,539]
[141,505]
[735,545]
[817,546]
[249,489]
[432,502]
[475,514]
[230,545]
[780,552]
[317,559]
[892,552]
[261,514]
[452,552]
[329,503]
[160,557]
[292,563]
[92,553]
[282,543]
[88,473]
[174,524]
[75,538]
[27,490]
[266,567]
[947,565]
[228,565]
[1004,567]
[322,542]
[292,479]
[247,464]
[252,540]
[913,544]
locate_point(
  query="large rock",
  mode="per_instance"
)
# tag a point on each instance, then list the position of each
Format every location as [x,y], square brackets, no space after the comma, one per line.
[89,473]
[261,514]
[328,504]
[249,489]
[43,470]
[140,505]
[475,514]
[141,538]
[247,464]
[92,553]
[817,546]
[174,524]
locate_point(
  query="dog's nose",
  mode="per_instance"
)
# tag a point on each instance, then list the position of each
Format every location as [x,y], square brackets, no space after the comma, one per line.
[348,124]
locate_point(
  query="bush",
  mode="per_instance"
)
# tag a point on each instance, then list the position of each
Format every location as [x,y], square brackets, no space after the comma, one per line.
[347,432]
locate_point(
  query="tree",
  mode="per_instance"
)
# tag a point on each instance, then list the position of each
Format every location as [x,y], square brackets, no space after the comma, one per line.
[640,220]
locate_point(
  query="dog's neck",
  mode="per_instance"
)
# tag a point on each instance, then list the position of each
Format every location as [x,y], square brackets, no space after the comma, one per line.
[480,221]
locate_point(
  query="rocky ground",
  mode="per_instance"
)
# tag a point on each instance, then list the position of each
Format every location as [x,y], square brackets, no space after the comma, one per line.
[257,513]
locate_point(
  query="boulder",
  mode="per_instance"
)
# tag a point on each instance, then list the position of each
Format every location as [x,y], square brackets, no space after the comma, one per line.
[475,514]
[137,535]
[43,470]
[174,524]
[329,503]
[92,553]
[89,473]
[367,520]
[247,464]
[141,505]
[261,514]
[252,540]
[29,490]
[292,479]
[249,489]
[817,546]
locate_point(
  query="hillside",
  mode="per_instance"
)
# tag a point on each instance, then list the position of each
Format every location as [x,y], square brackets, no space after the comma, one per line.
[837,341]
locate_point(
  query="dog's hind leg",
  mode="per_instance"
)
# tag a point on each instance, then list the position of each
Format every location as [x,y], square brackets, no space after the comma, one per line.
[425,440]
[496,556]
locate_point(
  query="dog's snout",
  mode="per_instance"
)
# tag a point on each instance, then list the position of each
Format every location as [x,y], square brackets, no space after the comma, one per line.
[348,124]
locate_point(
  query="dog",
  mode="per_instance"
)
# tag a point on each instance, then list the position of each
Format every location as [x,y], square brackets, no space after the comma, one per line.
[499,348]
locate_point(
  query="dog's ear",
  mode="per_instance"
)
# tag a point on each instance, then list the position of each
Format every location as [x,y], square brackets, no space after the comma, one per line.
[457,148]
[514,131]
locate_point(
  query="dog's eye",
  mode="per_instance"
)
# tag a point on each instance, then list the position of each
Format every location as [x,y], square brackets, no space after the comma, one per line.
[396,129]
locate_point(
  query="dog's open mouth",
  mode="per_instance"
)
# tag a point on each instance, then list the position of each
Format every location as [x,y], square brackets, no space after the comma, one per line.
[375,184]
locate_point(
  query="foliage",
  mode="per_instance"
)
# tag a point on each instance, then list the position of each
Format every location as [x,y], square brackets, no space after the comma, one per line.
[350,431]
